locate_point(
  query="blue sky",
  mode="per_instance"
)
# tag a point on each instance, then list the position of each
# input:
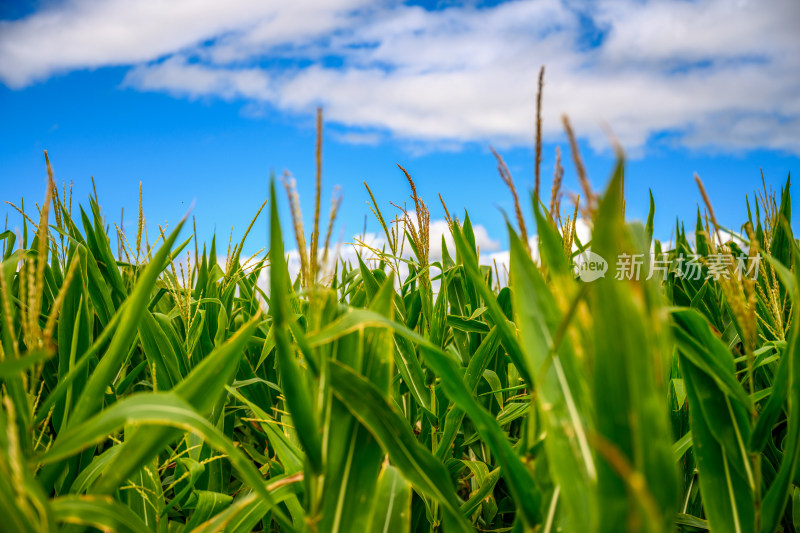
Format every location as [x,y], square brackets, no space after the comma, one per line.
[200,100]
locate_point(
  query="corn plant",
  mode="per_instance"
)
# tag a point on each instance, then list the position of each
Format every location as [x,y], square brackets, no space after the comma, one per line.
[166,388]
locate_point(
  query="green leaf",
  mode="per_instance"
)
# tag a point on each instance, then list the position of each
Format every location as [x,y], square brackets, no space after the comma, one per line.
[720,429]
[212,374]
[417,464]
[777,495]
[631,355]
[13,367]
[101,512]
[781,244]
[391,512]
[92,396]
[295,389]
[152,409]
[569,455]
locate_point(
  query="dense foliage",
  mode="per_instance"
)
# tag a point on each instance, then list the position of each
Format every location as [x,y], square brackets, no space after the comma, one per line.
[145,392]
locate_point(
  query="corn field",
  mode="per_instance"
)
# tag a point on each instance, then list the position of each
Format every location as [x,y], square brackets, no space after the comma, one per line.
[162,387]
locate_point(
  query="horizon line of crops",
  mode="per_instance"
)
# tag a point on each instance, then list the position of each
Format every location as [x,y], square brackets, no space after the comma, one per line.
[139,396]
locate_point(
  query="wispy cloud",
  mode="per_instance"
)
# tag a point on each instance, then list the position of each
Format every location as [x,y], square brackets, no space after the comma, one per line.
[369,138]
[711,73]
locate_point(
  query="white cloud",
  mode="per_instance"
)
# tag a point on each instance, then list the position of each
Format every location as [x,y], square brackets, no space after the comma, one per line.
[711,73]
[78,34]
[178,77]
[439,229]
[356,137]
